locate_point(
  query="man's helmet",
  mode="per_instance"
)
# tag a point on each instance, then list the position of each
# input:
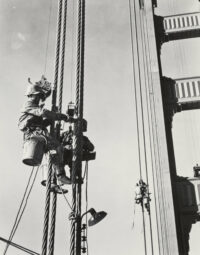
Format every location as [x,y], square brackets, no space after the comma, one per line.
[42,88]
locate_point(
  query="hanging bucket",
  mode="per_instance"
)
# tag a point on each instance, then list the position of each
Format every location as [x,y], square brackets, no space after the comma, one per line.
[34,150]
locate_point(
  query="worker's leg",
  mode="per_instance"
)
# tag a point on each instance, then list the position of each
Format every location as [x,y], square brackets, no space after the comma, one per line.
[57,160]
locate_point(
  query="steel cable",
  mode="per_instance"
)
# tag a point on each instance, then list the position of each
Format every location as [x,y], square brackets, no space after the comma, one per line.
[47,209]
[48,33]
[57,62]
[19,247]
[62,56]
[77,143]
[135,89]
[140,92]
[53,223]
[16,219]
[86,204]
[21,210]
[79,126]
[153,131]
[147,81]
[61,31]
[75,140]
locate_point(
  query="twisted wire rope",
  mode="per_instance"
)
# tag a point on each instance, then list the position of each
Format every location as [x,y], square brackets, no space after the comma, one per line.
[53,223]
[147,83]
[46,210]
[79,131]
[61,24]
[57,62]
[62,56]
[138,61]
[77,143]
[49,178]
[22,207]
[48,34]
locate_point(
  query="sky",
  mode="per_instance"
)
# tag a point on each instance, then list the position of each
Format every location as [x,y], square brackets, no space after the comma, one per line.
[110,112]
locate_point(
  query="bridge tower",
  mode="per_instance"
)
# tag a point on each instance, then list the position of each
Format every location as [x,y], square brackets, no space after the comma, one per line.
[178,197]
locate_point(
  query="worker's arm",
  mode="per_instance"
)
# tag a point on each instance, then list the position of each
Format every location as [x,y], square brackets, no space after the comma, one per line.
[54,115]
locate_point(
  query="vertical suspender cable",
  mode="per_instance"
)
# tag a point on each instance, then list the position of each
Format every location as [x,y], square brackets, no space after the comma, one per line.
[77,153]
[147,80]
[135,90]
[75,143]
[142,113]
[48,185]
[47,208]
[48,33]
[79,130]
[62,56]
[57,62]
[154,138]
[141,101]
[63,32]
[54,195]
[75,163]
[53,223]
[72,49]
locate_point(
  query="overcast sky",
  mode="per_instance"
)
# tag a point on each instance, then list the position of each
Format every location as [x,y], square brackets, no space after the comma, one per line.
[108,108]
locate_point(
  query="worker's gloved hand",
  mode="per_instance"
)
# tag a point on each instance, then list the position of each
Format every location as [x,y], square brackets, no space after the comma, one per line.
[64,117]
[72,119]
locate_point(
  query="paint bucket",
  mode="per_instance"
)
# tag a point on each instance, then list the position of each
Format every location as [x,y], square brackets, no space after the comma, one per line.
[33,150]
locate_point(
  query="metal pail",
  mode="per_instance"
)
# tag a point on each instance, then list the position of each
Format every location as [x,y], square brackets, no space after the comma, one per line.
[33,150]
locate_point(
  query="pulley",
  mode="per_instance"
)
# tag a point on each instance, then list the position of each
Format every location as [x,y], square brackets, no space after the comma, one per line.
[71,109]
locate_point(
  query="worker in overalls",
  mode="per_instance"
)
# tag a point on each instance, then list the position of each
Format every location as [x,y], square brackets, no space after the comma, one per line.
[140,192]
[34,121]
[67,140]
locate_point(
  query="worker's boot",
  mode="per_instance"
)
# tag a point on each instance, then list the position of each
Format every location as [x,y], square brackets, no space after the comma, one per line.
[59,169]
[60,173]
[57,189]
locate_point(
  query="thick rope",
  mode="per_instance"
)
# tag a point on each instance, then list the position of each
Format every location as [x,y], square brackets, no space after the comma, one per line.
[136,24]
[53,222]
[79,126]
[18,213]
[54,195]
[62,56]
[47,209]
[135,89]
[144,229]
[22,207]
[53,179]
[48,33]
[19,247]
[147,82]
[86,204]
[57,62]
[77,144]
[142,111]
[73,226]
[72,49]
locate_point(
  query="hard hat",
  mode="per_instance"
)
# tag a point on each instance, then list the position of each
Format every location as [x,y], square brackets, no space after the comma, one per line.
[42,87]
